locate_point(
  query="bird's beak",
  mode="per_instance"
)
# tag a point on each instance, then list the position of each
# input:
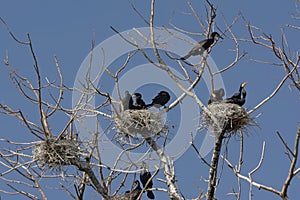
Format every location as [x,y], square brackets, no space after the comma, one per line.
[244,84]
[133,96]
[221,37]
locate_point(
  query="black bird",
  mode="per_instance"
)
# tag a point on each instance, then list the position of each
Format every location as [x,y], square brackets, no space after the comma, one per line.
[160,100]
[242,101]
[127,101]
[135,193]
[238,98]
[216,95]
[139,102]
[131,195]
[144,177]
[200,47]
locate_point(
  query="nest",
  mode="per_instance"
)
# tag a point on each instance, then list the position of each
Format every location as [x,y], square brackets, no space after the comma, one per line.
[56,154]
[229,118]
[144,122]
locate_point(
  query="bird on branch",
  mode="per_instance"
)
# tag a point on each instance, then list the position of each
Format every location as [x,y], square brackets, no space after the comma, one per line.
[145,176]
[202,46]
[135,193]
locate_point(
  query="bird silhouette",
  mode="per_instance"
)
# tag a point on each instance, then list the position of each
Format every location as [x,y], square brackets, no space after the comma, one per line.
[135,193]
[216,95]
[201,46]
[160,99]
[127,101]
[238,98]
[144,177]
[139,102]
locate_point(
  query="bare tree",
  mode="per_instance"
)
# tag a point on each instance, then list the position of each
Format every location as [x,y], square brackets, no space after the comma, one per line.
[65,156]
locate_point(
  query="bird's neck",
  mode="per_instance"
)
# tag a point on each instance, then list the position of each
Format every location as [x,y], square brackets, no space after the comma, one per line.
[241,89]
[244,95]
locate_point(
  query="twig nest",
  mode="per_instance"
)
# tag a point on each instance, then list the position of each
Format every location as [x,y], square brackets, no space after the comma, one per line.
[229,117]
[144,122]
[56,154]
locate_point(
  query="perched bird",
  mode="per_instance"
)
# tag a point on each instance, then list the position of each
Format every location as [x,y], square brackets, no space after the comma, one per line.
[139,102]
[144,177]
[135,193]
[216,95]
[242,101]
[160,100]
[238,98]
[130,195]
[127,101]
[200,47]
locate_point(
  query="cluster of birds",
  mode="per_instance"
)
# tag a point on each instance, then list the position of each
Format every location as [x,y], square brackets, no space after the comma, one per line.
[163,97]
[145,176]
[238,98]
[158,101]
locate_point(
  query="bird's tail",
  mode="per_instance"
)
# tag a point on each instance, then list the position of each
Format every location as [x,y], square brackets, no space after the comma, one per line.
[150,195]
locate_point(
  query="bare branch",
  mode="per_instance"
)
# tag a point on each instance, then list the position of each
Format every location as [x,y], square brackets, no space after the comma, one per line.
[249,179]
[11,34]
[290,176]
[273,93]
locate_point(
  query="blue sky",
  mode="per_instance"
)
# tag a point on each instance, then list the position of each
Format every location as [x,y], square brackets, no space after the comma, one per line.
[66,29]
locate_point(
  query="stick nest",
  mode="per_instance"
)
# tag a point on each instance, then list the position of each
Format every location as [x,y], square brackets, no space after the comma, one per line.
[56,154]
[144,122]
[229,118]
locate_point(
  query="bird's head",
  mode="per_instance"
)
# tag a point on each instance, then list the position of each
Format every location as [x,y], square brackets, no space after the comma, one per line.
[127,93]
[136,183]
[243,84]
[144,166]
[137,95]
[164,93]
[220,92]
[214,34]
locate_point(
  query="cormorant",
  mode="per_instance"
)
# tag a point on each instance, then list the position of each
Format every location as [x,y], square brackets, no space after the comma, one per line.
[242,101]
[160,100]
[238,98]
[144,177]
[139,102]
[127,101]
[200,47]
[216,95]
[135,193]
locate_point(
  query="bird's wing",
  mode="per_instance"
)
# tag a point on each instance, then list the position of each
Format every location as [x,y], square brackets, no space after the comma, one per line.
[236,95]
[198,48]
[202,42]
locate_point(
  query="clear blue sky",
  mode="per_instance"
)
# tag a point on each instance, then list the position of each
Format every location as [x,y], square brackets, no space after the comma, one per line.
[66,29]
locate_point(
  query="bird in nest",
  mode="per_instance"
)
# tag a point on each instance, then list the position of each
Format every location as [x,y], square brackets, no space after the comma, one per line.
[127,101]
[216,96]
[160,100]
[238,98]
[139,102]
